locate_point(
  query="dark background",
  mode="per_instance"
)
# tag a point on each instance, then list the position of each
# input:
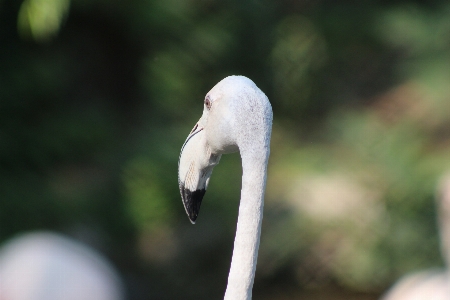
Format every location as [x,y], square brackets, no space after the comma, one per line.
[97,97]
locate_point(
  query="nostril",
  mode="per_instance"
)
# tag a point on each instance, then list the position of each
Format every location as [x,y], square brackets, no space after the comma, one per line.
[195,128]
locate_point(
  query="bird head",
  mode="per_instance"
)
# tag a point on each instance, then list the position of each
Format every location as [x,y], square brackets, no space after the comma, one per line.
[234,113]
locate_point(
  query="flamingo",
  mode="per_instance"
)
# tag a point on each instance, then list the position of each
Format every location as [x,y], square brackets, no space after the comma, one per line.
[433,284]
[48,266]
[237,116]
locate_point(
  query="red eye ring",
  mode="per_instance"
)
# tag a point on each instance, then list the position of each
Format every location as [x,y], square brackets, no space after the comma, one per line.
[208,103]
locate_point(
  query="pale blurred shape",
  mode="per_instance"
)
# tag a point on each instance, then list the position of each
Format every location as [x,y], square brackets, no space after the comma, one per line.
[422,286]
[48,266]
[335,197]
[347,214]
[41,19]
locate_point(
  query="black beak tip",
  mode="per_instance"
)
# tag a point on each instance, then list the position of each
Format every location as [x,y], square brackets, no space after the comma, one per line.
[192,219]
[192,201]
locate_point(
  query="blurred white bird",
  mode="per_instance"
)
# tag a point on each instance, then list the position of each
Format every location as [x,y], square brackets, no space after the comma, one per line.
[49,266]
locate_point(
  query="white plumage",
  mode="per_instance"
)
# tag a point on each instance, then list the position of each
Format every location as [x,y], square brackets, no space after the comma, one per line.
[49,266]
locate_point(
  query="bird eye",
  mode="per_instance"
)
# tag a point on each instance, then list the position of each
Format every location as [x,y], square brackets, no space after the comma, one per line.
[208,103]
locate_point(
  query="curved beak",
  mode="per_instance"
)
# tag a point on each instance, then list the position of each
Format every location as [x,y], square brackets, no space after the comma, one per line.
[194,170]
[192,196]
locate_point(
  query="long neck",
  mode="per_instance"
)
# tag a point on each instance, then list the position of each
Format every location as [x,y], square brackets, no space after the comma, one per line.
[246,243]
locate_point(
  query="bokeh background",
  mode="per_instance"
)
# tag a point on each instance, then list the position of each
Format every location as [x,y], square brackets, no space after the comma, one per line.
[97,97]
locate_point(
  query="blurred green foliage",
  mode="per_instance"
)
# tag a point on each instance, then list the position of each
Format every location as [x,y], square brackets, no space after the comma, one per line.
[41,19]
[97,97]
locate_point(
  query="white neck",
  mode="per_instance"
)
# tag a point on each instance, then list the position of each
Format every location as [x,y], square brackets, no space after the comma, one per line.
[248,231]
